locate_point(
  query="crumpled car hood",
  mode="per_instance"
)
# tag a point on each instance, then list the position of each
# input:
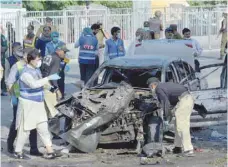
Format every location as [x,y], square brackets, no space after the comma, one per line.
[103,108]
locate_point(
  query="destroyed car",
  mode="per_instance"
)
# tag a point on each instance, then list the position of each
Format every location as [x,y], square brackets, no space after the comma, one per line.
[113,104]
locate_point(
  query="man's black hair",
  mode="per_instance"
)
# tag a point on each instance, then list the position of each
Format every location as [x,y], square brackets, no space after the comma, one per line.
[114,29]
[47,27]
[95,26]
[185,30]
[32,55]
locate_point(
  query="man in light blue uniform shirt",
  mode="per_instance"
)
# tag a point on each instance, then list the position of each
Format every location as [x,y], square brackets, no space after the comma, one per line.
[114,47]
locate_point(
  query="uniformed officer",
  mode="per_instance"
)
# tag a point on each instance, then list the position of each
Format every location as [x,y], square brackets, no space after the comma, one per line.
[114,47]
[88,53]
[176,95]
[176,34]
[156,24]
[52,64]
[17,63]
[30,39]
[50,49]
[223,31]
[169,33]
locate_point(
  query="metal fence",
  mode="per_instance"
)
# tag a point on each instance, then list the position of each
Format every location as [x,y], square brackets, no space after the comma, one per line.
[203,22]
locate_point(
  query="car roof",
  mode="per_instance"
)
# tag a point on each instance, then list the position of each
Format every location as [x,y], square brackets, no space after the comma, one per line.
[141,61]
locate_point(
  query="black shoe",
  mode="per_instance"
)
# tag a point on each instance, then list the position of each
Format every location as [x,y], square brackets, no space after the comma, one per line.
[36,153]
[10,149]
[20,156]
[52,155]
[177,150]
[4,94]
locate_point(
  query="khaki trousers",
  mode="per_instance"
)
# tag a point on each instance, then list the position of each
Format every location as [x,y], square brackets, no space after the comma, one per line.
[50,102]
[157,35]
[182,113]
[223,44]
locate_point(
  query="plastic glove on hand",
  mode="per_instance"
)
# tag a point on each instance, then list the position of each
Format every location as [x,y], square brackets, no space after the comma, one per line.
[67,68]
[54,77]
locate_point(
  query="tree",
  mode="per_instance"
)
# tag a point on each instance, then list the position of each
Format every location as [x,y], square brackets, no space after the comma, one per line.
[204,3]
[59,5]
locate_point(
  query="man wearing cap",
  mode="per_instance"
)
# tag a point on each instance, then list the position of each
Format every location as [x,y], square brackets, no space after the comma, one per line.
[17,62]
[176,35]
[176,96]
[88,54]
[30,39]
[169,33]
[50,48]
[49,24]
[52,64]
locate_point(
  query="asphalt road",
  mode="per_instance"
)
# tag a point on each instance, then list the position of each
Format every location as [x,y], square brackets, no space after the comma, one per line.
[214,152]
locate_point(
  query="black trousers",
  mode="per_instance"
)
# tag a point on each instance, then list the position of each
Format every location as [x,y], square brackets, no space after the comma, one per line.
[3,84]
[13,134]
[86,71]
[61,83]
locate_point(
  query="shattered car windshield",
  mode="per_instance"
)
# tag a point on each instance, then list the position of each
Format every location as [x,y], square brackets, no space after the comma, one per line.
[111,77]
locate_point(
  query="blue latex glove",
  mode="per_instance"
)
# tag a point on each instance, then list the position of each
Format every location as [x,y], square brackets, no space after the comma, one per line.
[67,68]
[54,77]
[14,100]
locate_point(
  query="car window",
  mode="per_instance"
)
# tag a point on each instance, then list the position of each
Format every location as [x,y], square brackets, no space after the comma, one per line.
[99,79]
[181,71]
[185,71]
[170,75]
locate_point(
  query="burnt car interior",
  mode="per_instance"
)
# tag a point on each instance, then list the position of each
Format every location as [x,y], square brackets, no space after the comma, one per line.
[134,77]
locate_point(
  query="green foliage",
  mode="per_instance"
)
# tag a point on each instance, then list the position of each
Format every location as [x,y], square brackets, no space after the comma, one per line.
[207,3]
[116,4]
[59,5]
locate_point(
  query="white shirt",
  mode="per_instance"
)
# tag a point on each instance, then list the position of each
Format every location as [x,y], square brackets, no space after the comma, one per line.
[131,48]
[29,80]
[196,46]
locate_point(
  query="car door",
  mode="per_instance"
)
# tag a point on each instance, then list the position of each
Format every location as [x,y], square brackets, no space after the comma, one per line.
[214,99]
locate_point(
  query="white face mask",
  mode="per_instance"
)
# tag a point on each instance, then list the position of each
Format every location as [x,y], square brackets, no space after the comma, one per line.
[146,28]
[138,37]
[39,64]
[118,35]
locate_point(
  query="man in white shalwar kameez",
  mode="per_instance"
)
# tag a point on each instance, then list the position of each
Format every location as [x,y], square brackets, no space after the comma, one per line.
[31,112]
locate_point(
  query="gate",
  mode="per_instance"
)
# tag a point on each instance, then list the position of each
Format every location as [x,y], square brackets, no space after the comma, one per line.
[204,23]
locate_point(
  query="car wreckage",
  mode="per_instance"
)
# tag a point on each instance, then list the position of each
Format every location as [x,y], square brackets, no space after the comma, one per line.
[115,104]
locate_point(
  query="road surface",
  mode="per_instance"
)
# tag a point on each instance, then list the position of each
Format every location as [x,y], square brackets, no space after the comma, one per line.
[214,152]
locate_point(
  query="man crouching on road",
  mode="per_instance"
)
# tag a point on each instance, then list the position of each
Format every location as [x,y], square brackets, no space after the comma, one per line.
[172,94]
